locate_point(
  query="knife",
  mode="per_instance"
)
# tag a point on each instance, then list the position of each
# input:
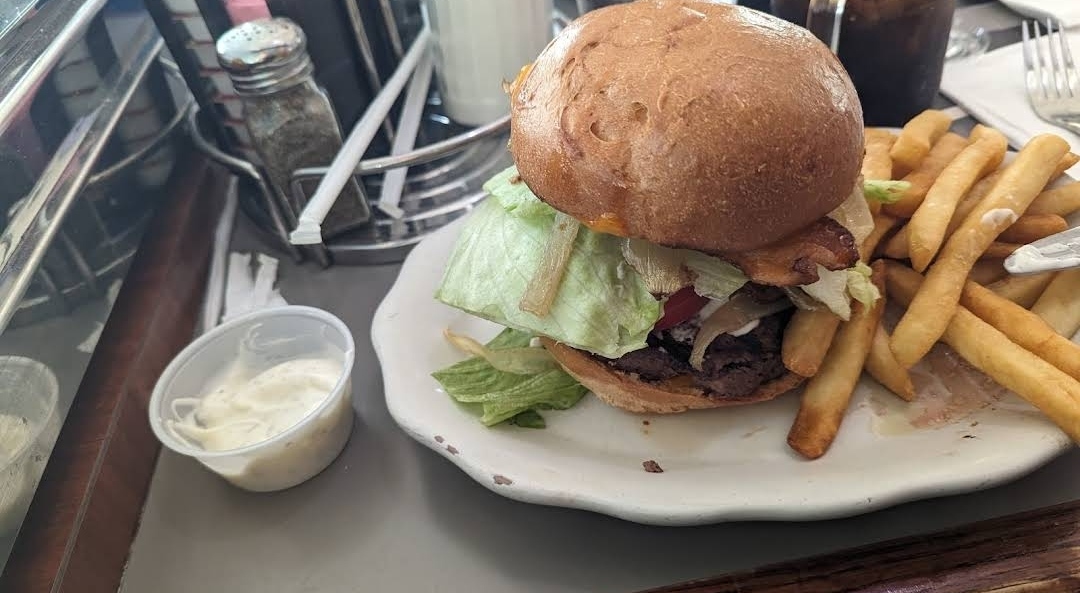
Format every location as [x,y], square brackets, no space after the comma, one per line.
[1056,252]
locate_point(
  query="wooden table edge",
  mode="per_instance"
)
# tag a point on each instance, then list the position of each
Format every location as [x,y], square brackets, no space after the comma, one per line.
[1028,552]
[78,531]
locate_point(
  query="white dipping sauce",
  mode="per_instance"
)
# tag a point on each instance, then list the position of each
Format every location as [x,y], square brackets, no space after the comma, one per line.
[271,429]
[998,216]
[242,411]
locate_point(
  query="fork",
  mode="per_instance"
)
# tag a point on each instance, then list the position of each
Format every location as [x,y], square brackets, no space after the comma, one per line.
[1051,76]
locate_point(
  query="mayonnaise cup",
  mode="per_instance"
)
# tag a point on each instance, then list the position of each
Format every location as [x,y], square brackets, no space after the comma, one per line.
[263,400]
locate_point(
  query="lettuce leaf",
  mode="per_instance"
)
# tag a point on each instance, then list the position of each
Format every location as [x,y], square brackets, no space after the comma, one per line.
[602,305]
[836,288]
[886,192]
[859,285]
[665,270]
[501,395]
[831,291]
[713,277]
[529,419]
[515,197]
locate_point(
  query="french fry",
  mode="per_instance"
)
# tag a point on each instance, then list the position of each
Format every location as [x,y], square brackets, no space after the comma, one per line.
[987,271]
[928,316]
[926,230]
[877,164]
[1027,228]
[806,340]
[1023,327]
[983,187]
[972,199]
[1022,290]
[999,250]
[978,192]
[919,134]
[1057,305]
[897,245]
[882,366]
[1032,227]
[1067,162]
[1062,201]
[827,394]
[883,223]
[923,176]
[1042,384]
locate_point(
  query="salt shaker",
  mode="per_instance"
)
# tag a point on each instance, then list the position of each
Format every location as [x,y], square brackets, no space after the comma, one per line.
[289,117]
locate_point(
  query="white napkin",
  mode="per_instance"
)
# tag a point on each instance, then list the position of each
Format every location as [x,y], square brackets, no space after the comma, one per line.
[248,287]
[991,88]
[1066,11]
[235,286]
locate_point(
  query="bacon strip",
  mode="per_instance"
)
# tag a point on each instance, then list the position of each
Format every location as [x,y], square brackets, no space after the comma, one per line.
[794,260]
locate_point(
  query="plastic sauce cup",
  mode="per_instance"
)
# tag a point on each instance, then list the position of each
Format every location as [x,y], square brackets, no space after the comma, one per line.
[28,395]
[257,342]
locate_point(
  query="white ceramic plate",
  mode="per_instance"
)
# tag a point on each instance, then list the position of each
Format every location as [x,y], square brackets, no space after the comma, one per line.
[718,465]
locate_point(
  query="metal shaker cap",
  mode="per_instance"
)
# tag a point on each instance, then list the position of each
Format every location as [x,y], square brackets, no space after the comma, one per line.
[264,55]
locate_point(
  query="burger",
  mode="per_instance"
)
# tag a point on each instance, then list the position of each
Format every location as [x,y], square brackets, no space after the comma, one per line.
[686,177]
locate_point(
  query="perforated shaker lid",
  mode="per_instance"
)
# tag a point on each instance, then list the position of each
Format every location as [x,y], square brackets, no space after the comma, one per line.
[264,54]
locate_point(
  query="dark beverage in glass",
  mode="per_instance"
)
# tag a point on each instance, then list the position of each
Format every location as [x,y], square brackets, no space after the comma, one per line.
[893,50]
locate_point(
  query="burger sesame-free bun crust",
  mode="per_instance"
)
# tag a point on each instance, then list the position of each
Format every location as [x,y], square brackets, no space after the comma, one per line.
[688,123]
[625,391]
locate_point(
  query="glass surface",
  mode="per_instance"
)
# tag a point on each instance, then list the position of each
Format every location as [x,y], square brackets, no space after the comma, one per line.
[965,40]
[12,13]
[62,343]
[71,293]
[894,51]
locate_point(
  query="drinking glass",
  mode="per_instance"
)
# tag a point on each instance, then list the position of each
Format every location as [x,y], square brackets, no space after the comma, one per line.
[894,50]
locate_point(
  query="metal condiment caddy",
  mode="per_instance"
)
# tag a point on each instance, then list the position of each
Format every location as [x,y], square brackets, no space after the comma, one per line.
[446,168]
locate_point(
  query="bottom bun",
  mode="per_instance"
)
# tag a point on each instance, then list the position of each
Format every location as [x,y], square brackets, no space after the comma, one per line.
[626,391]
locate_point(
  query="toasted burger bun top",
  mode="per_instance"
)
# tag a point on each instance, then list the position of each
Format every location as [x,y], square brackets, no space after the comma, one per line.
[689,124]
[625,391]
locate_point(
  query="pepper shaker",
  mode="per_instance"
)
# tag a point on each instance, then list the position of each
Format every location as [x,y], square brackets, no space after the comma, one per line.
[289,117]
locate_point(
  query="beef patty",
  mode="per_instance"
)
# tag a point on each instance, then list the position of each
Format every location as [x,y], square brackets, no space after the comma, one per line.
[734,366]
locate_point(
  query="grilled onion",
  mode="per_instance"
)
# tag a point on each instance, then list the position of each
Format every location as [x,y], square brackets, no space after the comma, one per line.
[544,284]
[735,313]
[519,361]
[854,214]
[661,268]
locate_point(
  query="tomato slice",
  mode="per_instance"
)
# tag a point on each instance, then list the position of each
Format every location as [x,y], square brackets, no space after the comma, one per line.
[680,306]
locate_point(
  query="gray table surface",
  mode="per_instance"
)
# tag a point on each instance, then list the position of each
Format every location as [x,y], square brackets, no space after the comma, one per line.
[390,515]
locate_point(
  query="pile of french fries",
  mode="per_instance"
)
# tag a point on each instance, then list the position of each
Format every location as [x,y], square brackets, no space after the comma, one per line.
[938,251]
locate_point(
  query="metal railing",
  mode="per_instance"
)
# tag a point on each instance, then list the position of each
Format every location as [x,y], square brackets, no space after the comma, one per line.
[34,49]
[37,221]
